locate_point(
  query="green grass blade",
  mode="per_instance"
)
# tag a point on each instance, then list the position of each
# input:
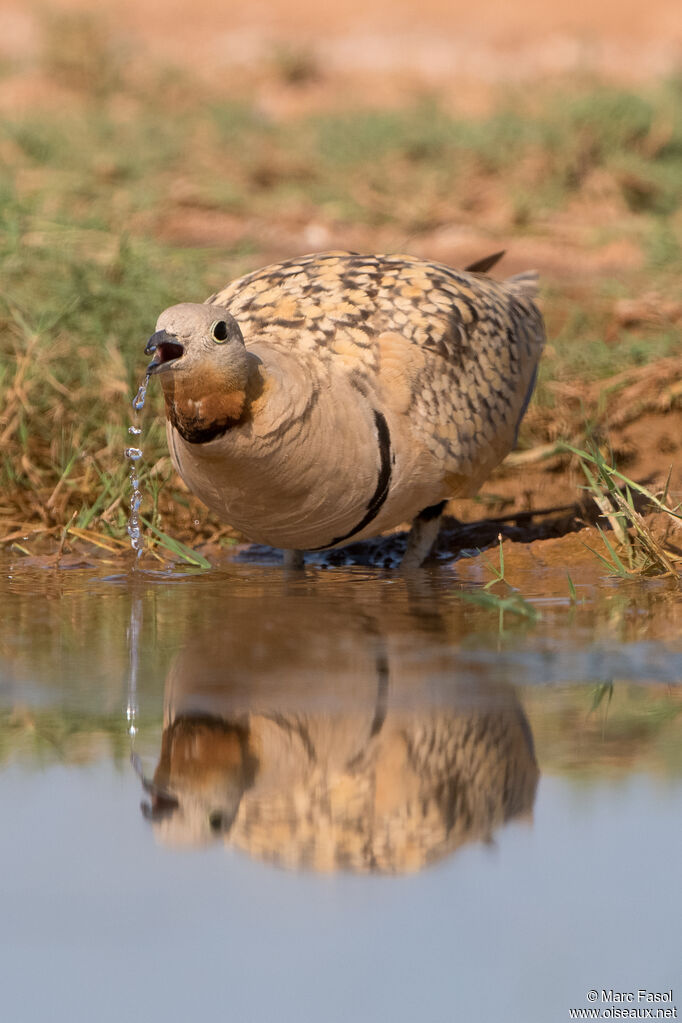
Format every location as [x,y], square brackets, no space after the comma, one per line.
[605,562]
[184,552]
[622,570]
[599,692]
[571,589]
[625,479]
[514,603]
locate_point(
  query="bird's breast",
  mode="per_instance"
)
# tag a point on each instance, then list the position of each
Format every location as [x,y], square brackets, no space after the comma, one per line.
[339,470]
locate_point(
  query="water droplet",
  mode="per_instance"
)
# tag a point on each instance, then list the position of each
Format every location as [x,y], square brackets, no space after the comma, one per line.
[134,455]
[139,399]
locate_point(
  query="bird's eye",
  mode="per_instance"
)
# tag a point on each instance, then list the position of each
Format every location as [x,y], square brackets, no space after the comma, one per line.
[219,331]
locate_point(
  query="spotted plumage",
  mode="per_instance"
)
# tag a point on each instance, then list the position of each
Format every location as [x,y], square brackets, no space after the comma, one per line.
[328,793]
[349,394]
[372,769]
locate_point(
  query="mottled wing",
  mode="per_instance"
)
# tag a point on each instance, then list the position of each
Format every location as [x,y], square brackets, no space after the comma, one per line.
[469,408]
[310,300]
[486,336]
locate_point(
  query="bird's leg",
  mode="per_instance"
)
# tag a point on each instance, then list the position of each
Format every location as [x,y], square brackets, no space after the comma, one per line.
[422,536]
[293,559]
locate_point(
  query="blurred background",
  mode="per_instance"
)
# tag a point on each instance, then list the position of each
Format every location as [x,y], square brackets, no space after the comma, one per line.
[151,151]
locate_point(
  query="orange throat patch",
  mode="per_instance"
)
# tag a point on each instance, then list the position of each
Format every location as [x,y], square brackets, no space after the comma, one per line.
[202,406]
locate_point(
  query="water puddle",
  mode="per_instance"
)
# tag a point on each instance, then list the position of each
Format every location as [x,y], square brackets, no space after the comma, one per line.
[351,795]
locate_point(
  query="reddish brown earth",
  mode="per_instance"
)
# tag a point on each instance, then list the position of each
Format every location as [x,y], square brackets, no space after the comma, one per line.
[375,52]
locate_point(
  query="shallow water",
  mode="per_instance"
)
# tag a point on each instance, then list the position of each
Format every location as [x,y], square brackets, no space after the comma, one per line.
[356,796]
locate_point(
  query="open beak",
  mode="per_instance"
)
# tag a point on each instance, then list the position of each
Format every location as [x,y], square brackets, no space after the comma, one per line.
[162,803]
[166,350]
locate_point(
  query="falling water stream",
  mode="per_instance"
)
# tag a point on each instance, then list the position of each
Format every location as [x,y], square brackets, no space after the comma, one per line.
[133,653]
[134,454]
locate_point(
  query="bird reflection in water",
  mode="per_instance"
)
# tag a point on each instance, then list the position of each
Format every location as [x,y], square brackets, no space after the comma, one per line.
[335,751]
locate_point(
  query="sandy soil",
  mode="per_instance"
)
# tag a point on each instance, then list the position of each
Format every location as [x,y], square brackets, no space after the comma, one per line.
[379,51]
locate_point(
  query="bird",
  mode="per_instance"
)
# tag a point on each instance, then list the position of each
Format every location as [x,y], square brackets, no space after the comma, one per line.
[387,764]
[328,398]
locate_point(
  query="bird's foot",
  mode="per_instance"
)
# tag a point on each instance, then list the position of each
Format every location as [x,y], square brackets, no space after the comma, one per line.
[422,537]
[293,559]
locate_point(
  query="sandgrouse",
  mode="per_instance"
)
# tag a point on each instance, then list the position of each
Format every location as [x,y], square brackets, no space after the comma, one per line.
[327,398]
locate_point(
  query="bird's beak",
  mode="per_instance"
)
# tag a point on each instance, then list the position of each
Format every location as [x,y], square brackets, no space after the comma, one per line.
[162,802]
[166,350]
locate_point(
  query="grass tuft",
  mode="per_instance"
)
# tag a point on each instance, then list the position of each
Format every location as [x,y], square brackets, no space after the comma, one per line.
[636,550]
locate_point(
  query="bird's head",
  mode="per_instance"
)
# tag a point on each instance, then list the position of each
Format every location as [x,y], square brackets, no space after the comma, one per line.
[204,367]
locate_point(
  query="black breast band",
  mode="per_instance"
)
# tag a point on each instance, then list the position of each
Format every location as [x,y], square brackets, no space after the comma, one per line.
[383,480]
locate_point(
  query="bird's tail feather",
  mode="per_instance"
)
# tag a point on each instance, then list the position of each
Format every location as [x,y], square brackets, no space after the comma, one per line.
[481,266]
[525,284]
